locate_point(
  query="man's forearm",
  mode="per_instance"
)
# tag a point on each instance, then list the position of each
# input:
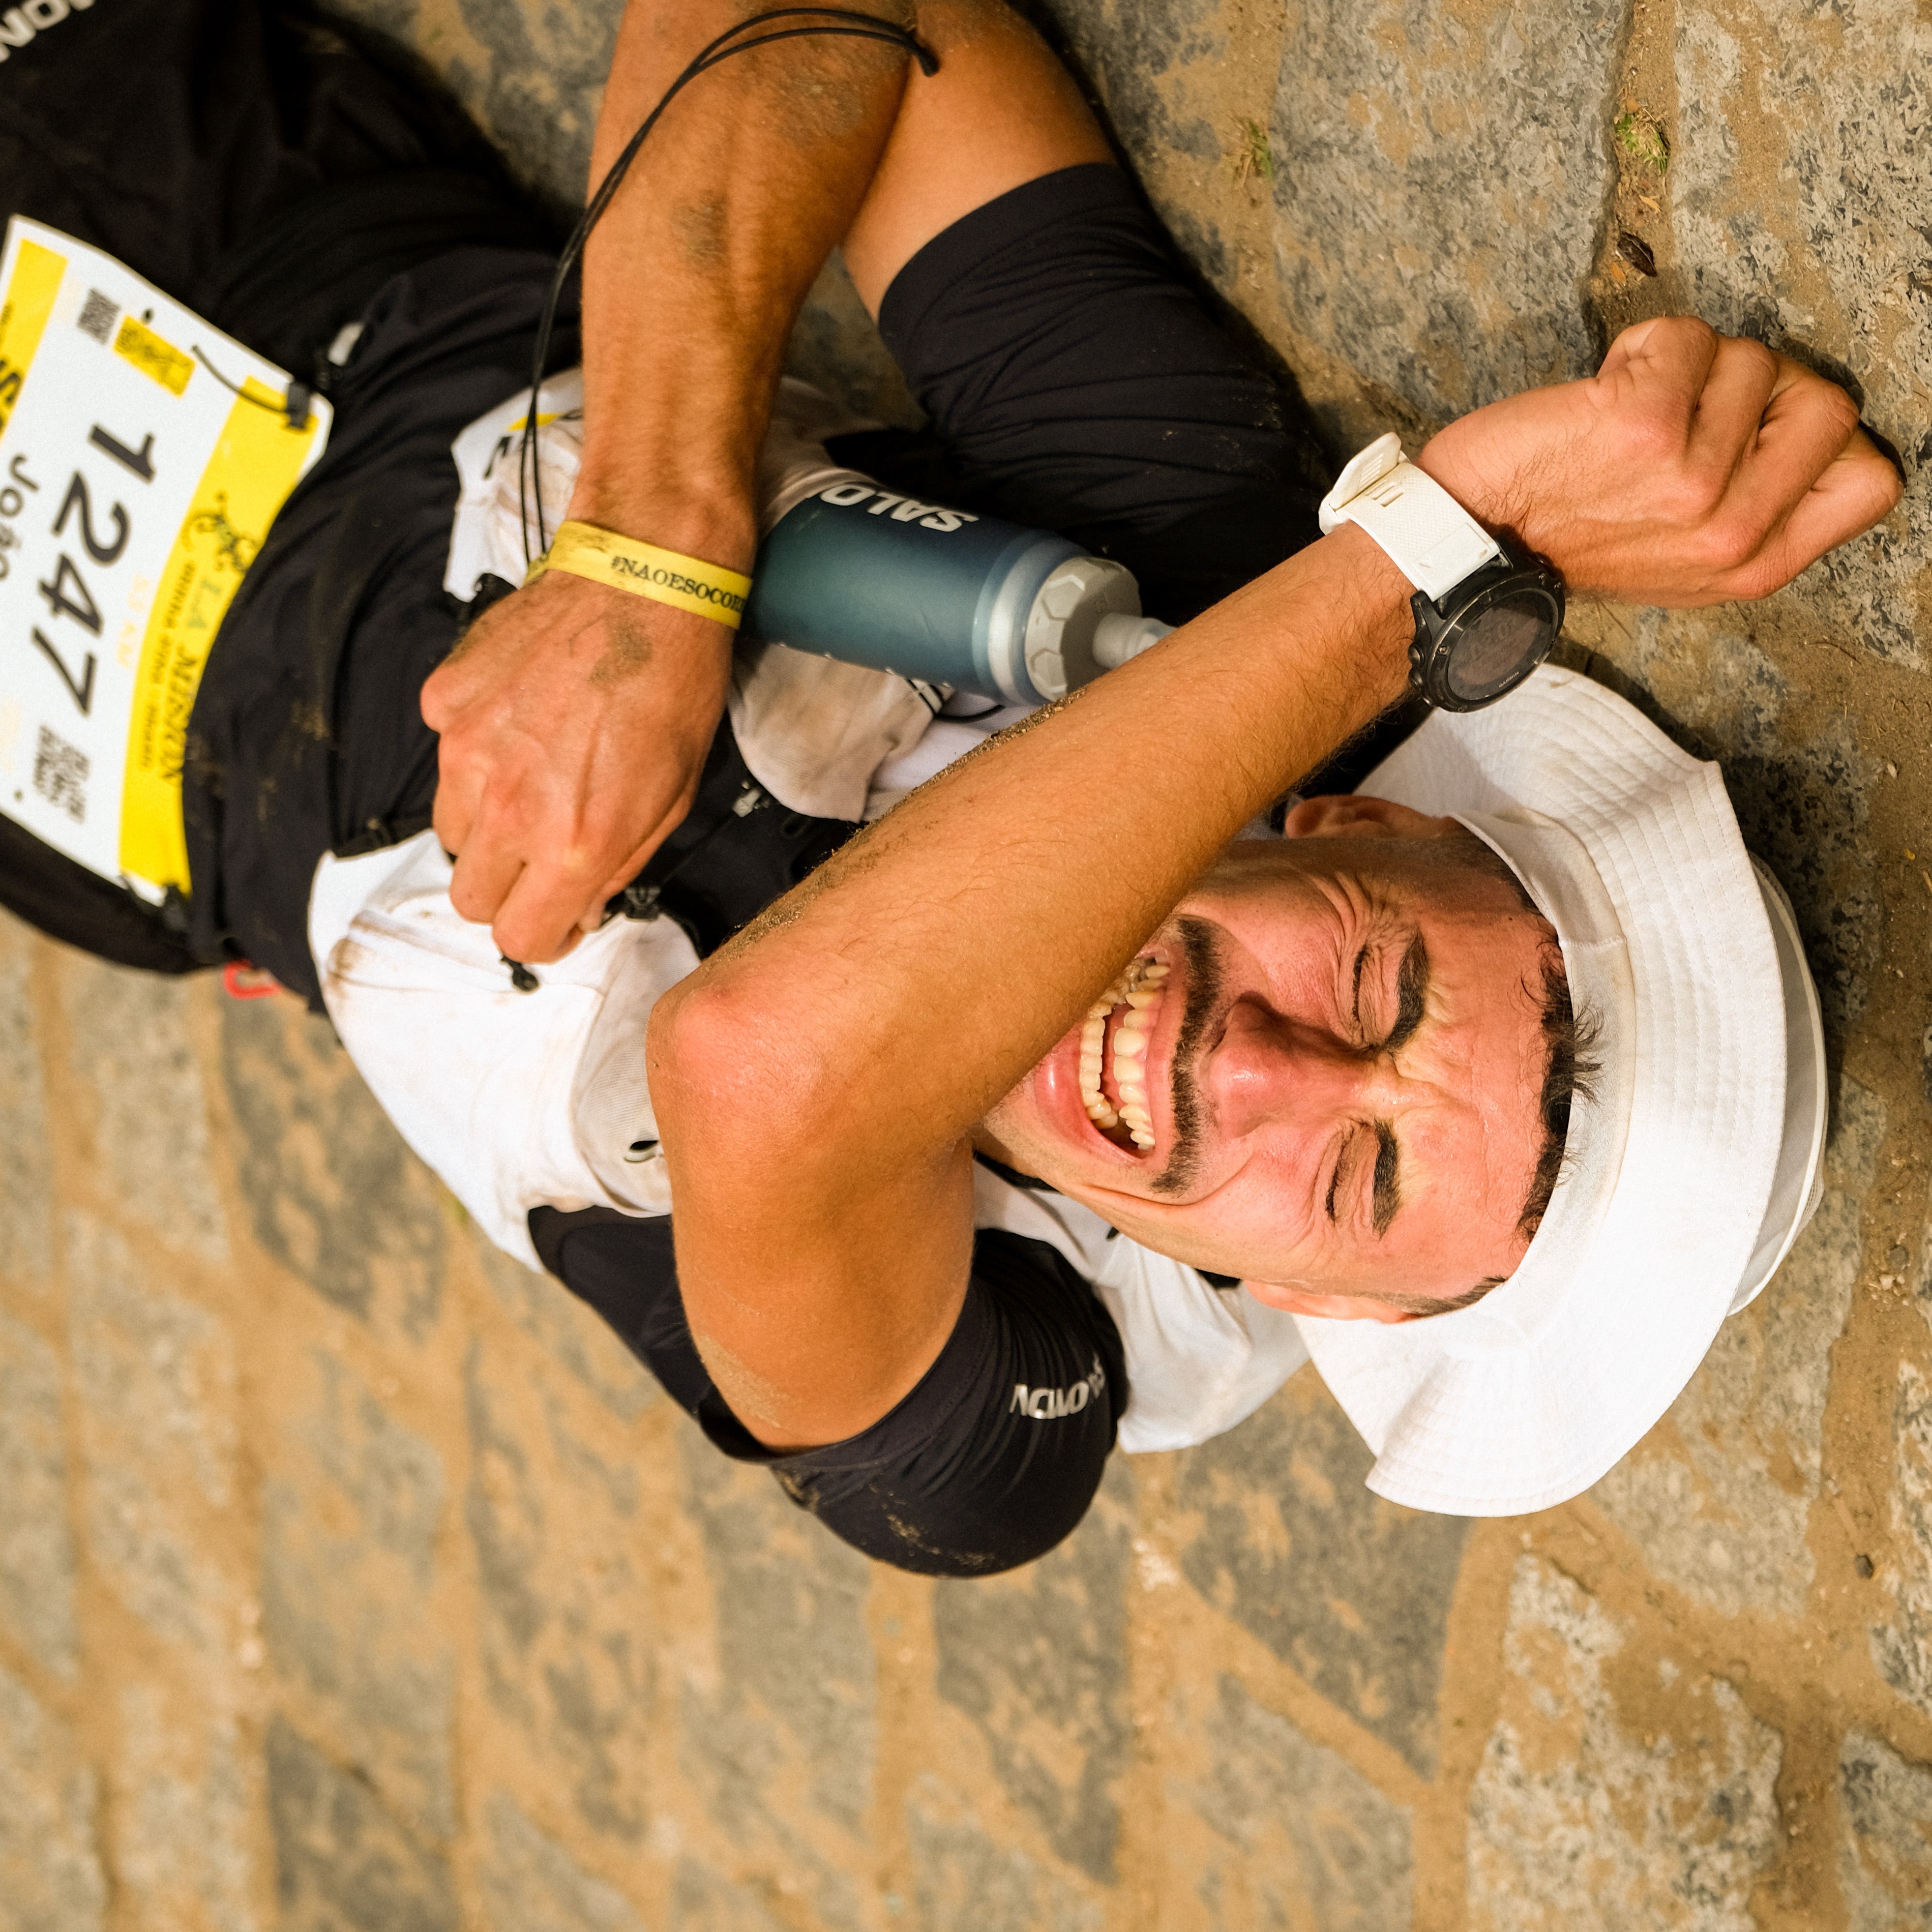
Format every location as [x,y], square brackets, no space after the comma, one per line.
[1016,884]
[574,718]
[815,1082]
[693,276]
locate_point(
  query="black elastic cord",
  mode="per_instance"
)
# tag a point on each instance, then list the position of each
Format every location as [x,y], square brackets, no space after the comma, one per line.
[293,408]
[529,481]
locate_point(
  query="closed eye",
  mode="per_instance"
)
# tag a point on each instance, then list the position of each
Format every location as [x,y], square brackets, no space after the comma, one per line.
[1411,995]
[1383,1180]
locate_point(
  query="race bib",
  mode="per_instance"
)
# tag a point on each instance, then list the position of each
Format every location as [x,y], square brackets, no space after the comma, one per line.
[143,455]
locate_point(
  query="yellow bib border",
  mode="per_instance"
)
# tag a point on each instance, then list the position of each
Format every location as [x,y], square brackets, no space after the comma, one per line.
[684,583]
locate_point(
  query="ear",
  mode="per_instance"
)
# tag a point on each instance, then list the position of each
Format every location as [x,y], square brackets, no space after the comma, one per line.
[1329,1307]
[1351,815]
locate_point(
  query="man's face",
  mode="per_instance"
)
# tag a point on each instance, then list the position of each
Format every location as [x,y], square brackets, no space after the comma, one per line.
[1343,1071]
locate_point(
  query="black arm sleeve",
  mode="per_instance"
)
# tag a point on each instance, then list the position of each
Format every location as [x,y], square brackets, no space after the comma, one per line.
[987,1463]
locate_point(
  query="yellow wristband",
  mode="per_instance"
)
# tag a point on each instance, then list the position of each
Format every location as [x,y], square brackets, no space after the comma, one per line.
[684,583]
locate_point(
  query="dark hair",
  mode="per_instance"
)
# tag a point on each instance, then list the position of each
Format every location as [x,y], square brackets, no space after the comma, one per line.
[1572,1069]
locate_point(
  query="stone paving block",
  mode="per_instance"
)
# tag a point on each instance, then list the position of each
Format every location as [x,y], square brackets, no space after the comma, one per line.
[182,1822]
[531,1884]
[567,1655]
[1351,1591]
[1306,1838]
[703,1902]
[26,1228]
[1719,1496]
[1037,1658]
[1805,809]
[964,1880]
[1440,182]
[1901,1648]
[36,1543]
[343,1862]
[566,1330]
[776,1727]
[533,77]
[349,1533]
[130,1049]
[1797,189]
[1129,50]
[794,1656]
[335,1195]
[154,1375]
[1803,800]
[391,1477]
[50,1875]
[779,1739]
[1616,1790]
[1885,1854]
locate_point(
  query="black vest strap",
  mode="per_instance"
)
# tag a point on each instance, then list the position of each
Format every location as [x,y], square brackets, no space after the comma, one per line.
[67,902]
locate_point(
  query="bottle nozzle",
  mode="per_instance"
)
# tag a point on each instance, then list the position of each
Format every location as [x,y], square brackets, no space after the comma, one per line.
[1119,636]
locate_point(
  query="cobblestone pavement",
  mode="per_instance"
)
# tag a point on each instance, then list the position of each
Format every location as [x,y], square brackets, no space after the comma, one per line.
[351,1578]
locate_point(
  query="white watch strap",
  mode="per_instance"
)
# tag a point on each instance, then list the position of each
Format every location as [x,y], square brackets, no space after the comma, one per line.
[1430,538]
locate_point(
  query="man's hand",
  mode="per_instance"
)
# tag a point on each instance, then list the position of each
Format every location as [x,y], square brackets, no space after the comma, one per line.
[1692,468]
[575,720]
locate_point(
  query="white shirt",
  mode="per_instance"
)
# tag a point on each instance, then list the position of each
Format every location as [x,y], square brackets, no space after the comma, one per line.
[519,1100]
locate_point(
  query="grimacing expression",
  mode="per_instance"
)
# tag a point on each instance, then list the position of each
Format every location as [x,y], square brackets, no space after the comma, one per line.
[1342,1069]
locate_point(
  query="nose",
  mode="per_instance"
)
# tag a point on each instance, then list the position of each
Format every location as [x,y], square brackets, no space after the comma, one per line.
[1268,1068]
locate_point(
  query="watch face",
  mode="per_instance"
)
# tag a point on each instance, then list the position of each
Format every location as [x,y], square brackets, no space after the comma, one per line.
[1498,643]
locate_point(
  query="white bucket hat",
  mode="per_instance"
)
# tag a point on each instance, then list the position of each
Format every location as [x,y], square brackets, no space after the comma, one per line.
[1687,1177]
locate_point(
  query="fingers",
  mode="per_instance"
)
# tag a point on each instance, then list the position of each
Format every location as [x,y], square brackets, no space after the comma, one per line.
[571,742]
[1738,388]
[1667,361]
[1773,470]
[1805,424]
[487,872]
[1857,488]
[541,911]
[459,797]
[540,916]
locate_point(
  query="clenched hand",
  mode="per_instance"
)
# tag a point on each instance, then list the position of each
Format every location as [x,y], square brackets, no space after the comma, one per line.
[1692,468]
[575,720]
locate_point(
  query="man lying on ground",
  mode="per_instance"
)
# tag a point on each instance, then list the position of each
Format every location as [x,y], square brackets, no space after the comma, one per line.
[1351,1053]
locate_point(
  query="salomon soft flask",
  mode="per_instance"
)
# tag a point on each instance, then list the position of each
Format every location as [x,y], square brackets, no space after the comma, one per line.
[859,572]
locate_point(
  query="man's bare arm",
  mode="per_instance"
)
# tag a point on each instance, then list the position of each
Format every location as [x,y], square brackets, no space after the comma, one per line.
[816,1083]
[575,719]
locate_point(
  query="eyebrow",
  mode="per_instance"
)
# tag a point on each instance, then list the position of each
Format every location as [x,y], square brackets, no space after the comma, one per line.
[1387,1195]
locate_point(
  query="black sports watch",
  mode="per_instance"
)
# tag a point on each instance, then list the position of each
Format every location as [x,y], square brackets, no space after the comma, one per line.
[1484,619]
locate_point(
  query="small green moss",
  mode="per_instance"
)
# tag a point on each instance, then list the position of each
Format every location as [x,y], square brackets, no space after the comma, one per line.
[1252,155]
[1641,138]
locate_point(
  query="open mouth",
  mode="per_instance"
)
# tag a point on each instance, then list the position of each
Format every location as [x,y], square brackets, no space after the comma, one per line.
[1113,1041]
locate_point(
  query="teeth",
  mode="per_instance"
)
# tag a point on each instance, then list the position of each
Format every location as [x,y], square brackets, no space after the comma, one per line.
[1139,988]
